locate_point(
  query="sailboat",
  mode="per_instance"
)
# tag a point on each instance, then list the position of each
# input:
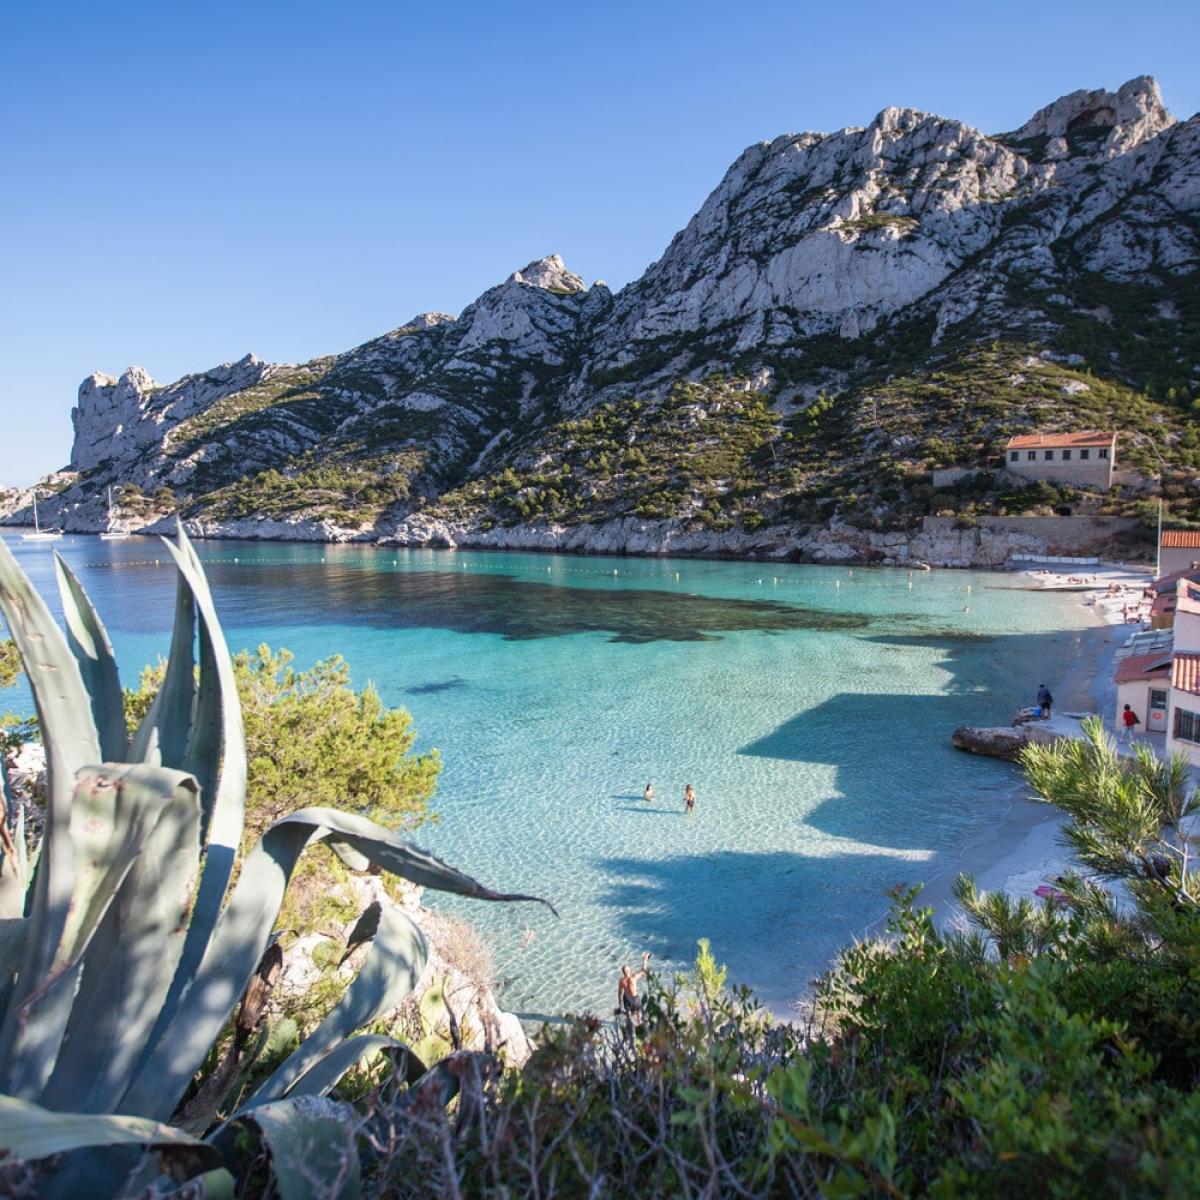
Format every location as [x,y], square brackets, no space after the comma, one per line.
[111,534]
[39,534]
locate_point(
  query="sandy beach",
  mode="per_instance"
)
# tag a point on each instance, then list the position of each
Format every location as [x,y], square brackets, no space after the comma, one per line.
[1025,850]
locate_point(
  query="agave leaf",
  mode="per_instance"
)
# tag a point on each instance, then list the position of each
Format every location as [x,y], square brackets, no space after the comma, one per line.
[313,1146]
[14,865]
[216,753]
[93,652]
[327,1071]
[113,811]
[162,737]
[69,735]
[29,1131]
[13,932]
[130,961]
[440,1084]
[391,970]
[245,926]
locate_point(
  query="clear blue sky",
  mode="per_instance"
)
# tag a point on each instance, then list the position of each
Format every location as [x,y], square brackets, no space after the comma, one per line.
[183,182]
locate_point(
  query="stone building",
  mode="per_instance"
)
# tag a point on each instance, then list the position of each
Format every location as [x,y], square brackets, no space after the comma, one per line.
[1085,459]
[1179,551]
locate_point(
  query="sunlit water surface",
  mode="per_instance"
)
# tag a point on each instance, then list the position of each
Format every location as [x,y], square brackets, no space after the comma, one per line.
[810,707]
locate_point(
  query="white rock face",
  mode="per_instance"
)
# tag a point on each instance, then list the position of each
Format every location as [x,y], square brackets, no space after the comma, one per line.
[1132,114]
[913,221]
[114,419]
[550,273]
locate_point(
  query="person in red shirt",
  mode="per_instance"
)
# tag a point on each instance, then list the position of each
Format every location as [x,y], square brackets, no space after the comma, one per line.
[1128,720]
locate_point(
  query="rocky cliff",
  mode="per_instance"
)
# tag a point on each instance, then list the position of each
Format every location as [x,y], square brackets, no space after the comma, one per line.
[846,313]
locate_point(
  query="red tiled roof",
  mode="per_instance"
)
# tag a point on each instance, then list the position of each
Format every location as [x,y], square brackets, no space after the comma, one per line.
[1185,673]
[1170,582]
[1142,666]
[1181,539]
[1033,441]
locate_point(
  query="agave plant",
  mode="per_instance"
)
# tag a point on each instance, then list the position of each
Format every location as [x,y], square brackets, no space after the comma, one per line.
[129,938]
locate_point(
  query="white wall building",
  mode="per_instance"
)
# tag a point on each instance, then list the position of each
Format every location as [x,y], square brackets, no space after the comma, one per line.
[1085,459]
[1178,550]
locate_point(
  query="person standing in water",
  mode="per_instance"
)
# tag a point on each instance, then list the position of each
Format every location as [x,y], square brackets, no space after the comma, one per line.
[629,1003]
[648,794]
[689,798]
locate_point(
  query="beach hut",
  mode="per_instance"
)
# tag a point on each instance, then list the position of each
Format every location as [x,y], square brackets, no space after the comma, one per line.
[1183,729]
[1144,683]
[1178,551]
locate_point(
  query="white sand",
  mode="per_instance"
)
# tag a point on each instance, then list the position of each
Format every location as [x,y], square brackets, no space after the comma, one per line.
[1026,850]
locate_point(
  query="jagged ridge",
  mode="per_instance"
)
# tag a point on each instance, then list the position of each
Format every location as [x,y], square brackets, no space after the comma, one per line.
[822,264]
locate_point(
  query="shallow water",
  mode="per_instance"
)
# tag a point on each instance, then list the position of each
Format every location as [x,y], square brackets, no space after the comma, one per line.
[810,707]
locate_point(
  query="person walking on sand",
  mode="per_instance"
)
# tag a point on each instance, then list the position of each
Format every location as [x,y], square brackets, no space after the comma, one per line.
[1045,700]
[689,798]
[648,794]
[1128,720]
[629,1003]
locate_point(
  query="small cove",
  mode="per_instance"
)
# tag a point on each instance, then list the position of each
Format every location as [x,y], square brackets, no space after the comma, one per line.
[810,707]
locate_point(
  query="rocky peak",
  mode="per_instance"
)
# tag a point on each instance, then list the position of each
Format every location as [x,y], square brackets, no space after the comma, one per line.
[1132,114]
[429,320]
[550,273]
[136,379]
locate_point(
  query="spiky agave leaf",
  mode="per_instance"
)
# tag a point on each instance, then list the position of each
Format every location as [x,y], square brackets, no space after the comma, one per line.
[244,928]
[88,640]
[393,965]
[29,1131]
[129,961]
[69,735]
[313,1145]
[216,754]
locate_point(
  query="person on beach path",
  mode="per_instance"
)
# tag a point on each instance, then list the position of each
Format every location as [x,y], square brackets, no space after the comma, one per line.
[629,1003]
[1045,700]
[689,798]
[648,794]
[1128,720]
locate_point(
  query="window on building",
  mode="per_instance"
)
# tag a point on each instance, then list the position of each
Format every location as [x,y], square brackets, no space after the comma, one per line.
[1187,725]
[1066,455]
[1158,698]
[1047,454]
[1085,453]
[1014,456]
[1103,451]
[1031,455]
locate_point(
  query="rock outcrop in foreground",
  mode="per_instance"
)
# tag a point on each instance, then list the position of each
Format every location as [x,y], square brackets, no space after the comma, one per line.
[845,313]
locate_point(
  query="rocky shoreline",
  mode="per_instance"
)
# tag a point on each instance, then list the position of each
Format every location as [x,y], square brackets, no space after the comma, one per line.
[988,543]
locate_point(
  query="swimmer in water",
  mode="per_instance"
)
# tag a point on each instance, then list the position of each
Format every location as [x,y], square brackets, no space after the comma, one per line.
[689,798]
[648,794]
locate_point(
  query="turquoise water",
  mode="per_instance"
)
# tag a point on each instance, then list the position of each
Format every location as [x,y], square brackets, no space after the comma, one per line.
[810,707]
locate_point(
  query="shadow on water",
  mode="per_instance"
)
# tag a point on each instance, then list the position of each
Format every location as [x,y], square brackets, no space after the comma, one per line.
[890,749]
[769,915]
[465,602]
[442,685]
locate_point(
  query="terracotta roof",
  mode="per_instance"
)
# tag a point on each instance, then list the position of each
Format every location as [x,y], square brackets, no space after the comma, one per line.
[1090,437]
[1181,539]
[1185,673]
[1142,666]
[1169,582]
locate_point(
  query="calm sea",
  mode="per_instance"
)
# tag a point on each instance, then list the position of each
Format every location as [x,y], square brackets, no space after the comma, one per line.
[810,707]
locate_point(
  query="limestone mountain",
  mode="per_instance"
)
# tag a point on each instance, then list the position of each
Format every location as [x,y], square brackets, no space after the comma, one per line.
[845,313]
